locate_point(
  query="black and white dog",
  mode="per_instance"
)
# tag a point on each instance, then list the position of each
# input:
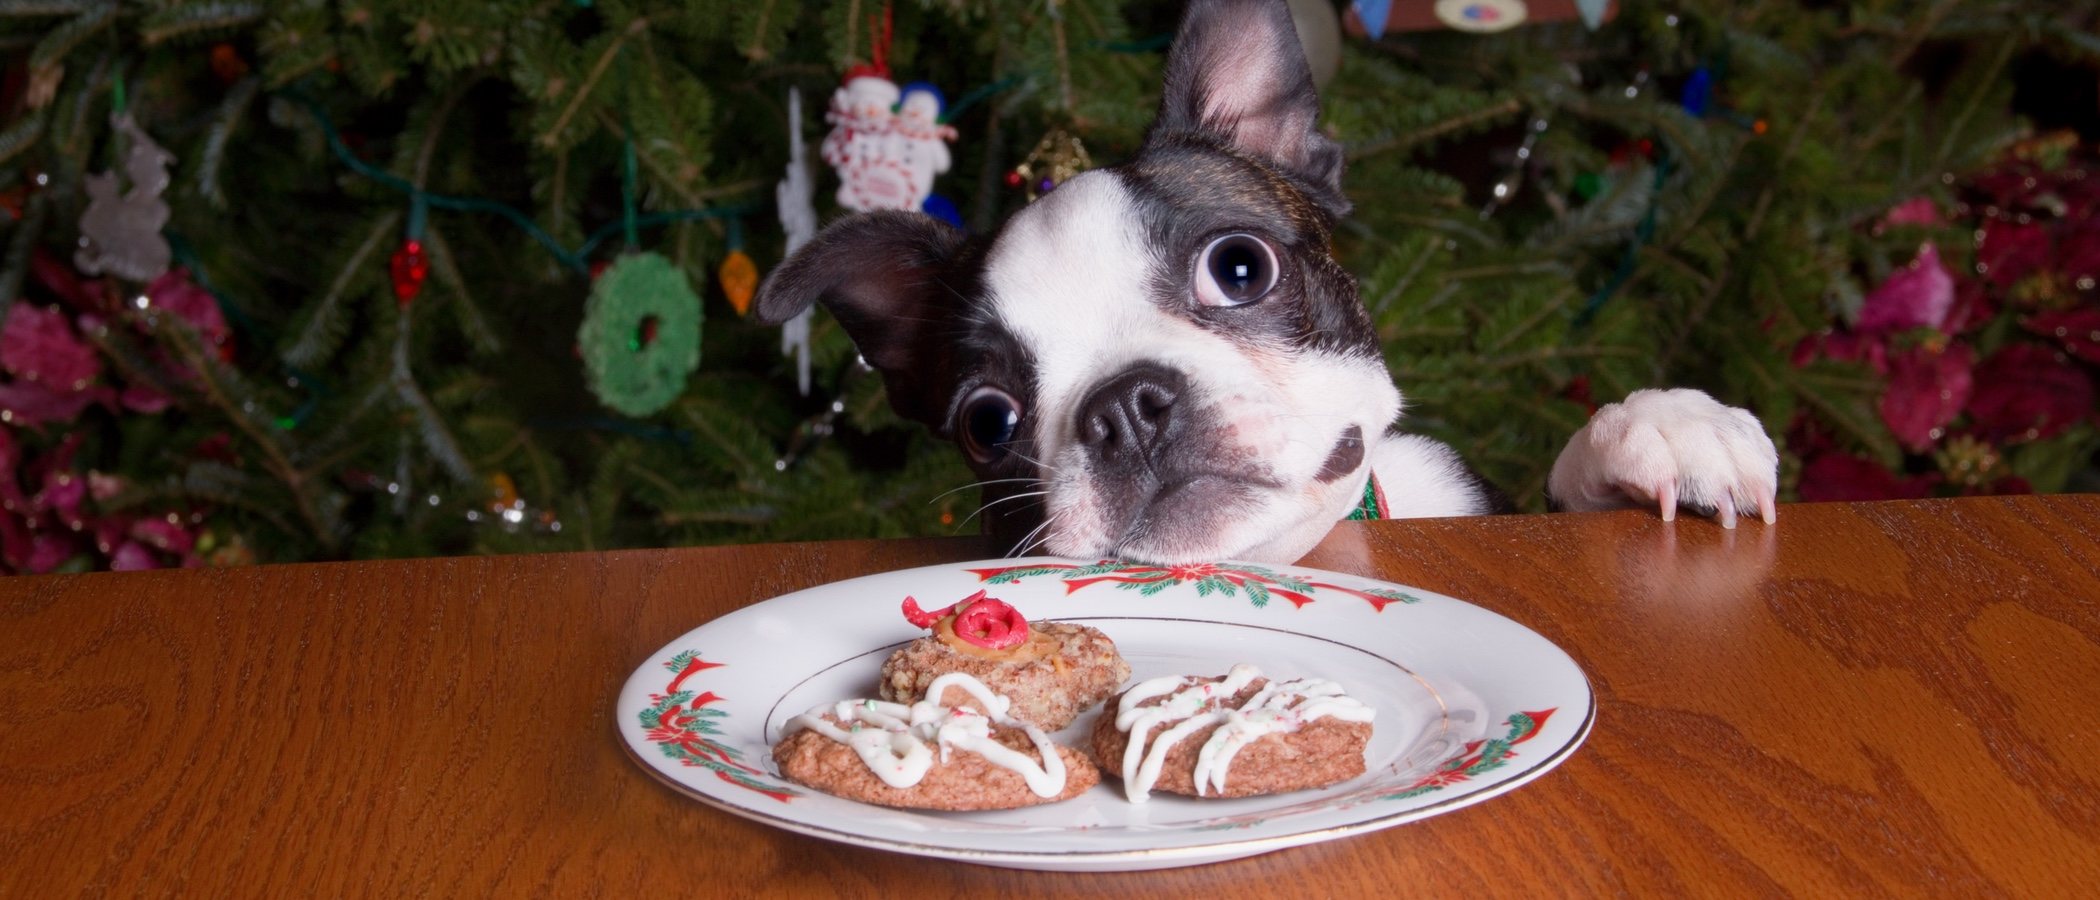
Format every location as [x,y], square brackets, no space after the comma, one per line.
[1163,362]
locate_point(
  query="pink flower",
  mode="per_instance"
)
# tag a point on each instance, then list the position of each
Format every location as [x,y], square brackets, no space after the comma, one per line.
[2078,329]
[48,552]
[140,398]
[164,535]
[2078,255]
[174,292]
[1915,211]
[1916,296]
[1840,476]
[1843,346]
[1926,390]
[33,404]
[2010,251]
[2028,392]
[63,493]
[132,557]
[38,345]
[58,277]
[102,487]
[1972,307]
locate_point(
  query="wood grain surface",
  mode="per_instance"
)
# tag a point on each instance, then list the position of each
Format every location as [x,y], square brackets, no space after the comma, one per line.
[1863,700]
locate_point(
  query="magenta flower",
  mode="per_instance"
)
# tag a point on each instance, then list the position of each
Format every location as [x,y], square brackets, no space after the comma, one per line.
[1843,346]
[1840,476]
[164,535]
[2011,251]
[2078,256]
[2077,329]
[1915,211]
[2028,392]
[1916,296]
[131,557]
[38,345]
[1926,390]
[33,404]
[174,292]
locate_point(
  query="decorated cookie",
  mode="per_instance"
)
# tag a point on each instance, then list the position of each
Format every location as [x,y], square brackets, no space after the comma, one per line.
[927,755]
[1239,735]
[1053,671]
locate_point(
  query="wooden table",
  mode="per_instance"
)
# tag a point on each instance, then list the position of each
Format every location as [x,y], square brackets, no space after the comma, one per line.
[1865,699]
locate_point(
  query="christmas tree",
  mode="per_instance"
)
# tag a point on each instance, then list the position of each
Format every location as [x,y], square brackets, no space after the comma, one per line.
[301,280]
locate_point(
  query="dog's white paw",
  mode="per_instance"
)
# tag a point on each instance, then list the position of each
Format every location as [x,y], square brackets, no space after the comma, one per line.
[1668,449]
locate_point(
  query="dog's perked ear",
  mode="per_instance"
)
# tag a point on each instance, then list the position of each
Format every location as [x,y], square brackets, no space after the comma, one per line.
[1237,73]
[879,274]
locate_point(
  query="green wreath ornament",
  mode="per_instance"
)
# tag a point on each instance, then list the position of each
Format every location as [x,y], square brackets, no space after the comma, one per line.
[641,334]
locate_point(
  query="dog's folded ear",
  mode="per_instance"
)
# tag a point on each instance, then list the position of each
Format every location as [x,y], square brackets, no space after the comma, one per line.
[879,274]
[1237,72]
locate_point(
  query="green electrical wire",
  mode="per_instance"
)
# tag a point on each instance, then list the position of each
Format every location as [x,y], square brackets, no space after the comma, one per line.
[576,260]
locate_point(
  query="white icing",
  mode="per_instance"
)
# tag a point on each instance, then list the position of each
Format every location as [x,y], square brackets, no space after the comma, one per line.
[897,741]
[1195,704]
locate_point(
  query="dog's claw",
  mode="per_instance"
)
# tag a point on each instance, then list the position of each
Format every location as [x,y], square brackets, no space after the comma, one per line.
[1670,447]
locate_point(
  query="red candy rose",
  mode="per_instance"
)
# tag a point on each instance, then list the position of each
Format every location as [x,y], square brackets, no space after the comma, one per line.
[980,620]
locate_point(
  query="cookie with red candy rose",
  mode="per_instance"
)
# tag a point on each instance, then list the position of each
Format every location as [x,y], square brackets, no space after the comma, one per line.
[1052,671]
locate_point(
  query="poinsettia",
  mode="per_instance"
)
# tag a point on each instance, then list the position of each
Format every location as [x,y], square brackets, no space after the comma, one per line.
[1974,364]
[2011,251]
[54,371]
[54,511]
[1842,476]
[1927,388]
[2028,392]
[2078,330]
[1916,296]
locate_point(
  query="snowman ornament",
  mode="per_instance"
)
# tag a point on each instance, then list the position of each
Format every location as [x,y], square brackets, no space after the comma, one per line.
[886,144]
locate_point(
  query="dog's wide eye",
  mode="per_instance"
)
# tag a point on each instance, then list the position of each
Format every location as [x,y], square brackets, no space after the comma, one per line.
[987,423]
[1236,269]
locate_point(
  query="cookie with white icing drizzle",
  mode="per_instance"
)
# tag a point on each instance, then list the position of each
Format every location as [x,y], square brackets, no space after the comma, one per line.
[1052,671]
[1237,735]
[928,756]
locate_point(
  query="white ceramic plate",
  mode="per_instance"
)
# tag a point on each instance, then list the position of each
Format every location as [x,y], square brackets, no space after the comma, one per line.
[1470,704]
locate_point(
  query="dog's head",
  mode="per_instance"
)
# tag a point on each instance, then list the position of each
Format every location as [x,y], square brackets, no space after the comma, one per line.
[1166,351]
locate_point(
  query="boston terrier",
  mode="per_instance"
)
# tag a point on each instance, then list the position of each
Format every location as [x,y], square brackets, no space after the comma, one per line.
[1163,362]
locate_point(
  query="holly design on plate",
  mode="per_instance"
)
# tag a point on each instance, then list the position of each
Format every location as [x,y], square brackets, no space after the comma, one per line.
[683,724]
[1259,583]
[1478,756]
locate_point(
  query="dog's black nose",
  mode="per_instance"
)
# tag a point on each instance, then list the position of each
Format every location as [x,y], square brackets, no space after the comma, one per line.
[1128,417]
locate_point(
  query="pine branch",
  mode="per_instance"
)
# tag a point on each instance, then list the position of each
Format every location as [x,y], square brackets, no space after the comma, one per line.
[192,19]
[1462,122]
[60,41]
[16,266]
[30,8]
[20,136]
[552,136]
[471,322]
[324,328]
[217,385]
[436,437]
[232,110]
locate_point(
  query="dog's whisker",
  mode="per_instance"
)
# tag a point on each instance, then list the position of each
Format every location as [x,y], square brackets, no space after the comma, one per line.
[1029,459]
[1028,542]
[984,483]
[980,509]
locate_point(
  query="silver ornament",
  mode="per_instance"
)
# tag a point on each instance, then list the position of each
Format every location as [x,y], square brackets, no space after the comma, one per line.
[120,233]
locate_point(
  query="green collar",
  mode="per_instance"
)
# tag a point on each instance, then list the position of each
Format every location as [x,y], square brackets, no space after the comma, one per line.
[1372,506]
